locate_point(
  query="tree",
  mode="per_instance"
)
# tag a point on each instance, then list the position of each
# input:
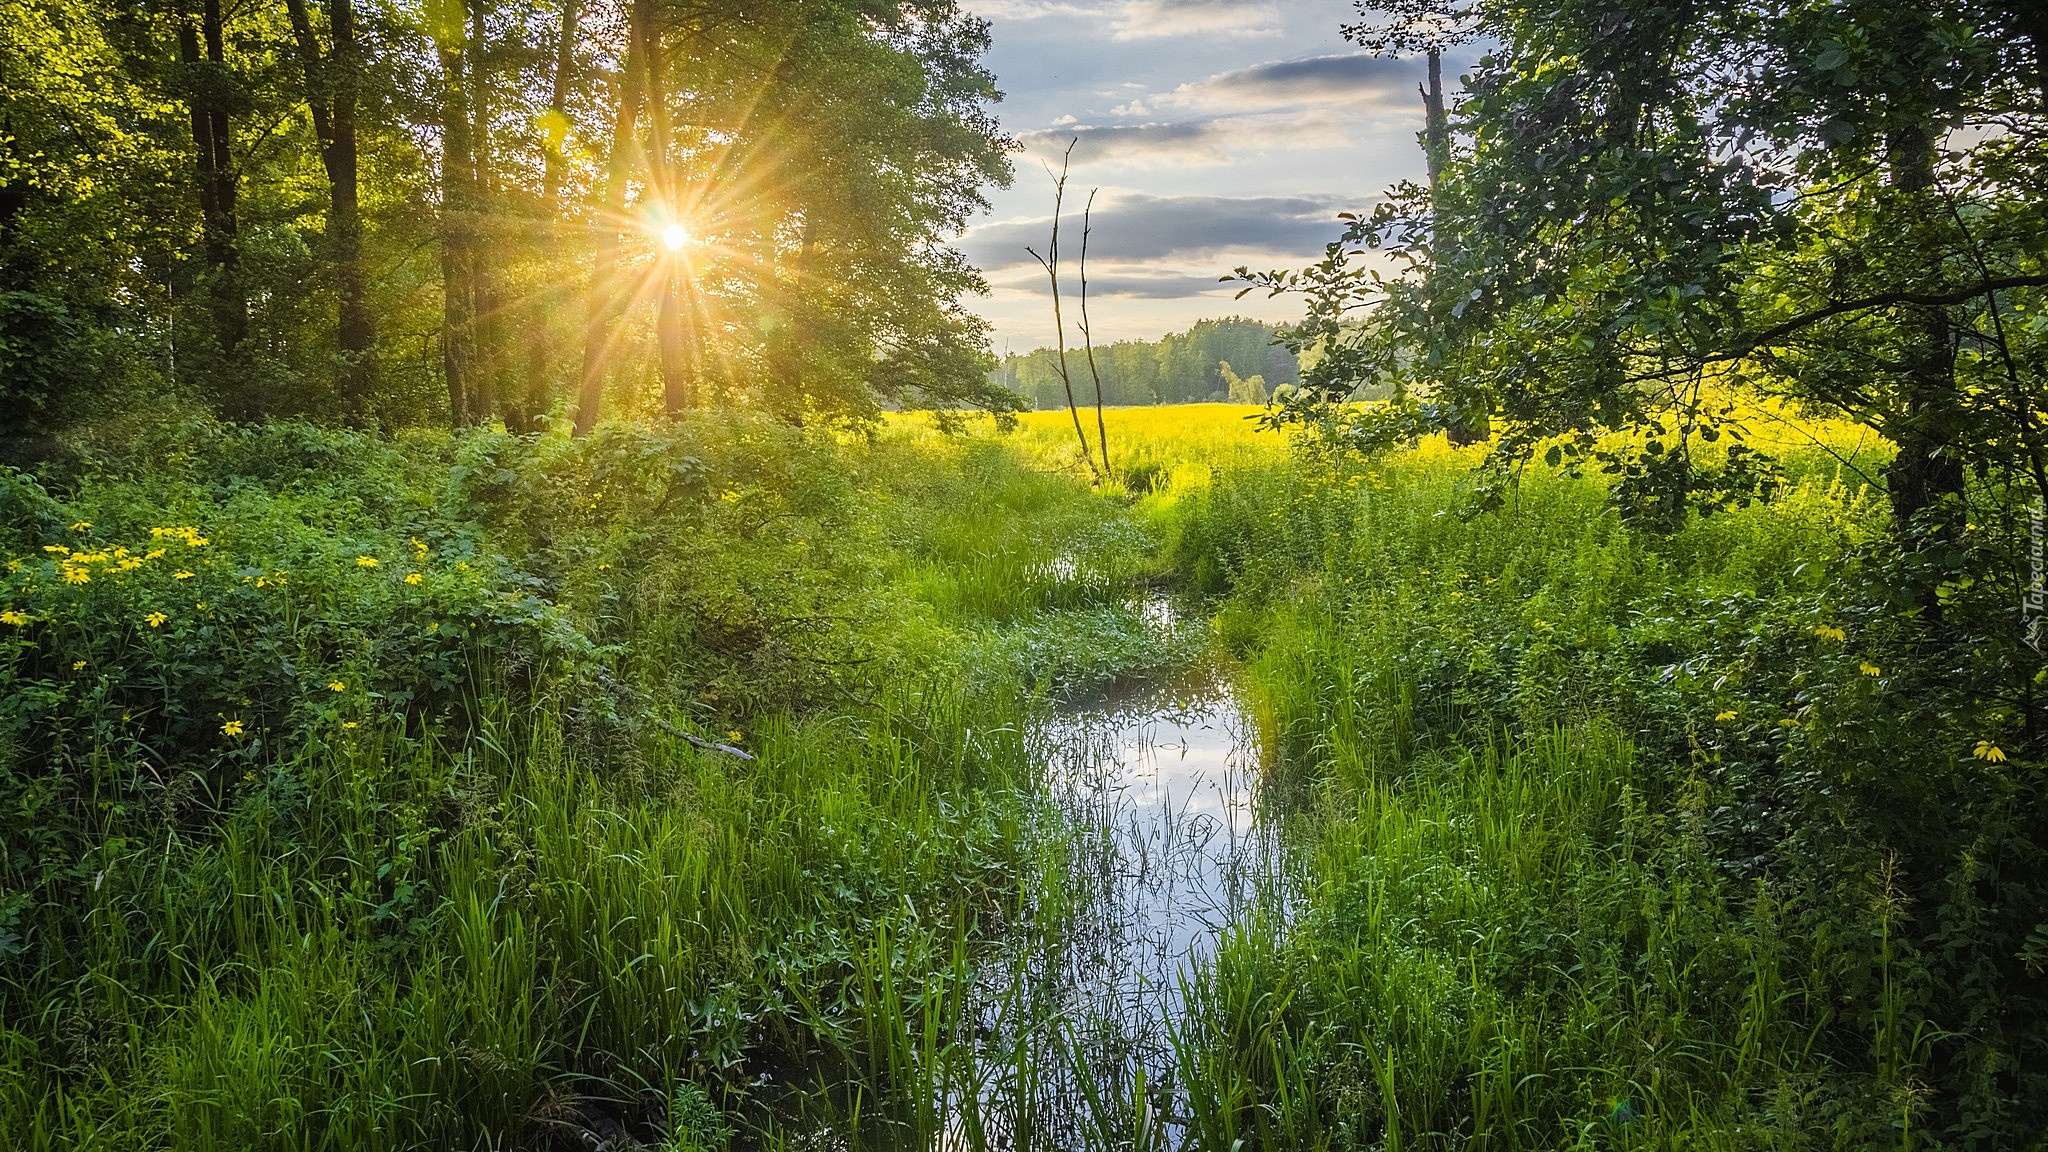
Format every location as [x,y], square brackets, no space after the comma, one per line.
[332,81]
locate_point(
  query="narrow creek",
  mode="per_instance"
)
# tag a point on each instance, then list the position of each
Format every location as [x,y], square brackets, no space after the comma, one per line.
[1155,784]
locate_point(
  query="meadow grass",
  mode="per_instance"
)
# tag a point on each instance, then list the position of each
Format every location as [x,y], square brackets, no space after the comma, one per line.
[389,834]
[1595,838]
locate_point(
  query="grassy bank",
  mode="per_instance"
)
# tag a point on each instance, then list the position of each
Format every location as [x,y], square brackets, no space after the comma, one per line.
[1615,840]
[678,783]
[365,794]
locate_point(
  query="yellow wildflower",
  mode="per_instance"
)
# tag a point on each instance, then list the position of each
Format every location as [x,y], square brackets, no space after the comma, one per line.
[181,575]
[1830,632]
[336,685]
[348,723]
[18,619]
[201,606]
[156,619]
[1986,750]
[80,525]
[231,728]
[13,565]
[78,665]
[59,549]
[412,578]
[1869,669]
[153,554]
[366,561]
[1728,715]
[77,576]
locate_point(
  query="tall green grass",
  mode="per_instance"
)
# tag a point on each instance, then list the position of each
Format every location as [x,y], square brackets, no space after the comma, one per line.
[438,887]
[1605,839]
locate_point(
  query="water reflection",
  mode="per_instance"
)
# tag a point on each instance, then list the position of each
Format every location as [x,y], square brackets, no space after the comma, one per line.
[1155,786]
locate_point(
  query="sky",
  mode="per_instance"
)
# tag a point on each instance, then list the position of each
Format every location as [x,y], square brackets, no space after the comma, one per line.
[1215,133]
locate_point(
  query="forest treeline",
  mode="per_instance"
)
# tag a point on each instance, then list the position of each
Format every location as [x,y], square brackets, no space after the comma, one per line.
[1232,359]
[460,210]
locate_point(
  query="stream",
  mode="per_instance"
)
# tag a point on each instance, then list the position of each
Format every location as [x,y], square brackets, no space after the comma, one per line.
[1155,784]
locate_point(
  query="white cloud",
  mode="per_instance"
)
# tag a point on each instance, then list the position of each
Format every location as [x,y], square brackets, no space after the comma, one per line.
[1147,19]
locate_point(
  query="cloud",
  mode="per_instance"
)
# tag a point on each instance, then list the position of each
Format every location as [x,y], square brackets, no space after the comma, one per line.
[1343,79]
[1147,19]
[1181,143]
[1134,233]
[1170,284]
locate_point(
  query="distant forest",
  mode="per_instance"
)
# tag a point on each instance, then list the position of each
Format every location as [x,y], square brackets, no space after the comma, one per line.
[1230,359]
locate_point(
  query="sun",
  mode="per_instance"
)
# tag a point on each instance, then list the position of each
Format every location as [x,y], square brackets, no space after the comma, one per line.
[675,237]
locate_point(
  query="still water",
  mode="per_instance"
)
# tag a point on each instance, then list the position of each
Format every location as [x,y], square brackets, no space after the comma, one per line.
[1155,786]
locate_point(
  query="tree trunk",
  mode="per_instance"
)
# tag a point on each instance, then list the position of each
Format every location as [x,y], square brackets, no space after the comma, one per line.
[523,416]
[457,304]
[330,98]
[606,293]
[1926,473]
[483,235]
[552,161]
[218,181]
[1436,131]
[677,394]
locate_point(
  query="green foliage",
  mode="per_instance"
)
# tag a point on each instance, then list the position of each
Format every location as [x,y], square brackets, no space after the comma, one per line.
[1613,838]
[344,857]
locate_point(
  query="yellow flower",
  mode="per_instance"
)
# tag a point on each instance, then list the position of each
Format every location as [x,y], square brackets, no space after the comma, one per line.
[59,549]
[231,728]
[201,606]
[18,619]
[13,565]
[1830,632]
[366,561]
[733,735]
[412,578]
[80,525]
[336,685]
[181,575]
[1869,669]
[156,619]
[153,554]
[418,548]
[78,665]
[1986,750]
[77,576]
[1728,715]
[196,541]
[348,723]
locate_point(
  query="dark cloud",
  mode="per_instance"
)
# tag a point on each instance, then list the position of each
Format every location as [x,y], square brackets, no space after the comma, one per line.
[1344,78]
[1188,140]
[1159,286]
[1138,228]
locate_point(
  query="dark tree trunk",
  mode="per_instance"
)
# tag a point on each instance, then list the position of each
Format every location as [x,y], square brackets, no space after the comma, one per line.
[487,386]
[218,181]
[521,415]
[1436,132]
[331,98]
[457,283]
[552,161]
[1926,473]
[607,295]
